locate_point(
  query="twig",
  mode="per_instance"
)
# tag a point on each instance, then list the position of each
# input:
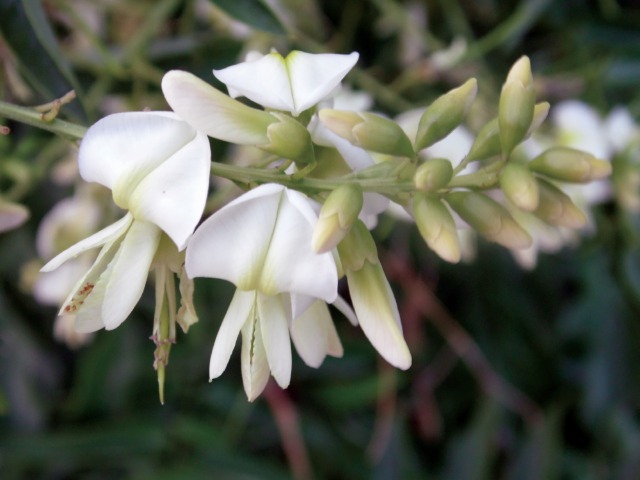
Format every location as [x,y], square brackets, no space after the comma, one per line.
[460,341]
[286,418]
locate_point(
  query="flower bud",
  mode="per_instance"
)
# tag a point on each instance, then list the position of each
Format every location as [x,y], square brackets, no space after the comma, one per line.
[570,165]
[487,143]
[433,174]
[339,211]
[445,114]
[437,227]
[540,112]
[515,111]
[12,215]
[288,138]
[369,131]
[556,207]
[357,247]
[520,186]
[489,218]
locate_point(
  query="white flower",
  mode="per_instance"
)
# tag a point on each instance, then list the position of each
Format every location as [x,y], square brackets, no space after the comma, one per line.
[261,242]
[158,170]
[292,84]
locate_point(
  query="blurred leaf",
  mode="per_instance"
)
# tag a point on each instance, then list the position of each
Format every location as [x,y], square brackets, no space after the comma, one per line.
[25,29]
[254,13]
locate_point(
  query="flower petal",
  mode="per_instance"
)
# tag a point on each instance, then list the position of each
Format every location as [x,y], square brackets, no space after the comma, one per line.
[230,243]
[264,80]
[213,112]
[314,76]
[377,312]
[291,264]
[120,286]
[97,239]
[315,336]
[240,311]
[274,327]
[255,367]
[345,309]
[120,150]
[173,195]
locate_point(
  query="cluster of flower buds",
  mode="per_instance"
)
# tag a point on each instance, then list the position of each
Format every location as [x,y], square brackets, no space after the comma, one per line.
[304,221]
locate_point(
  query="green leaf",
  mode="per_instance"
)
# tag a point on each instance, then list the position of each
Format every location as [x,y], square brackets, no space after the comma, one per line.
[24,27]
[254,13]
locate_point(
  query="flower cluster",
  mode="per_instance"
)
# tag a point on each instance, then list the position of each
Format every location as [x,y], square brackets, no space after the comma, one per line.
[304,221]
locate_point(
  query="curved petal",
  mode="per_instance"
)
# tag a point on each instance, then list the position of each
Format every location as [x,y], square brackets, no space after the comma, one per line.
[240,311]
[345,309]
[377,312]
[315,336]
[254,364]
[232,243]
[274,327]
[105,235]
[122,149]
[127,273]
[173,195]
[291,264]
[213,112]
[265,81]
[314,76]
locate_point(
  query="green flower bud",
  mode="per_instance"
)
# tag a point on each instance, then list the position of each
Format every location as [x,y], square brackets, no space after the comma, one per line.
[487,143]
[556,207]
[357,248]
[339,211]
[437,227]
[520,186]
[289,139]
[517,100]
[570,165]
[369,131]
[445,114]
[540,112]
[433,174]
[489,218]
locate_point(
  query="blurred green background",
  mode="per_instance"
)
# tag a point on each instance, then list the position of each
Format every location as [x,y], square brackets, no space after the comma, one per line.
[516,374]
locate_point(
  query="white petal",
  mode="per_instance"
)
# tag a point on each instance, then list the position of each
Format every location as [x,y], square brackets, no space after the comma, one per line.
[230,243]
[314,76]
[240,311]
[377,312]
[51,288]
[274,327]
[315,336]
[265,81]
[97,239]
[128,272]
[255,367]
[291,264]
[173,195]
[122,149]
[213,112]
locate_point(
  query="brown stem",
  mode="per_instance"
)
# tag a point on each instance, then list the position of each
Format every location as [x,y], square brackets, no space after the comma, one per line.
[286,418]
[460,341]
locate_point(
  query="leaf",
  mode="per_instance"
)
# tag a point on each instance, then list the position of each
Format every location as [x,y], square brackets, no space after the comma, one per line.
[25,29]
[254,13]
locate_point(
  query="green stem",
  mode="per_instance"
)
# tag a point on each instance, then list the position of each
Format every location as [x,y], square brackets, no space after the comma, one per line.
[31,117]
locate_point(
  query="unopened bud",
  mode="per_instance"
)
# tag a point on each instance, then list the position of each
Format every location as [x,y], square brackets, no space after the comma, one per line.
[517,100]
[570,165]
[433,174]
[487,143]
[288,138]
[369,131]
[437,227]
[556,207]
[445,114]
[520,186]
[339,211]
[489,218]
[540,112]
[357,248]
